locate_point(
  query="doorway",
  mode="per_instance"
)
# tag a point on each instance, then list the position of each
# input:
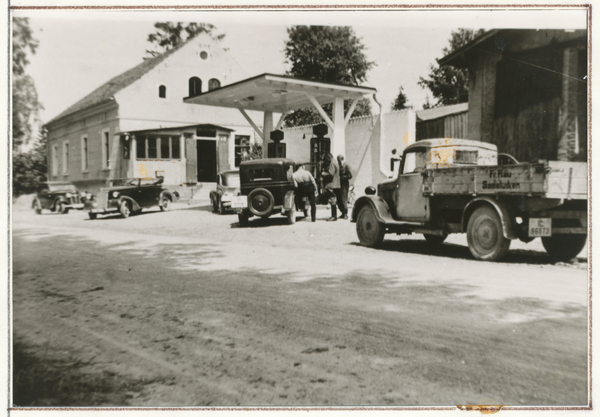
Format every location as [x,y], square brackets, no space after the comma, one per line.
[207,160]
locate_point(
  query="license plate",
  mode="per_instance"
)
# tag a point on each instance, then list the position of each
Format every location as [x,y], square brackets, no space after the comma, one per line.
[540,227]
[239,201]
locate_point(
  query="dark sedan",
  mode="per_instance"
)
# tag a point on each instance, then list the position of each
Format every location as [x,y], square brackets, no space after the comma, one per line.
[58,197]
[132,196]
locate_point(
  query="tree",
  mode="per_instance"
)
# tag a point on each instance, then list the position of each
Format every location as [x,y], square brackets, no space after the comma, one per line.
[329,54]
[169,35]
[25,104]
[450,85]
[29,168]
[400,103]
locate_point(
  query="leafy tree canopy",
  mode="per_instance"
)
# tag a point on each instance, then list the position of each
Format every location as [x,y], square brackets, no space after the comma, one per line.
[170,34]
[29,168]
[401,101]
[447,84]
[329,54]
[25,104]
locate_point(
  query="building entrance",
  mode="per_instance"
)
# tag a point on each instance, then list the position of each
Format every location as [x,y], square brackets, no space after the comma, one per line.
[207,160]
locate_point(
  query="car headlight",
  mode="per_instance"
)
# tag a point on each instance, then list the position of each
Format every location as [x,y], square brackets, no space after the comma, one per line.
[115,194]
[68,195]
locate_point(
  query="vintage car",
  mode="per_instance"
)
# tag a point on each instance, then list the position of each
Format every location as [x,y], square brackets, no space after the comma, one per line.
[228,184]
[266,188]
[133,195]
[58,197]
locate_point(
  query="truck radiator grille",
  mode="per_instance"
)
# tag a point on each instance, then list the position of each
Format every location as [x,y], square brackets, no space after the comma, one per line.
[102,198]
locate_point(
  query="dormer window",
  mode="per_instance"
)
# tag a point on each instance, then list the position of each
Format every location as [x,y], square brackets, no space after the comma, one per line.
[162,91]
[195,86]
[213,83]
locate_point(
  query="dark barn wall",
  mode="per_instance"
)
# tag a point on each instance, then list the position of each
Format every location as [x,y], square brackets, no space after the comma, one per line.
[528,95]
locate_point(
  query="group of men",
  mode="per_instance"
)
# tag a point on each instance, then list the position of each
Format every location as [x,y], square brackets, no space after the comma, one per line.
[335,178]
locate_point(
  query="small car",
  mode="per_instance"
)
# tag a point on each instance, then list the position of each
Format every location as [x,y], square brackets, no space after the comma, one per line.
[228,185]
[266,188]
[58,197]
[131,197]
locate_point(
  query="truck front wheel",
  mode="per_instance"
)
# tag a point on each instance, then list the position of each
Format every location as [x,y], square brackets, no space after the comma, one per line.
[563,248]
[484,235]
[369,229]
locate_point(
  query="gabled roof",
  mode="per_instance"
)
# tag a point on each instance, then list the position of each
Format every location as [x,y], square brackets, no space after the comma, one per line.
[106,91]
[437,112]
[179,129]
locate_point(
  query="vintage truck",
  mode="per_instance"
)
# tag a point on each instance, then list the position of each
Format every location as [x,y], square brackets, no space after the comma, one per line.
[448,186]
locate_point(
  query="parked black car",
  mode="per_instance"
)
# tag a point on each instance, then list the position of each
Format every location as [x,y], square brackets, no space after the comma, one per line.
[267,188]
[134,195]
[228,185]
[59,197]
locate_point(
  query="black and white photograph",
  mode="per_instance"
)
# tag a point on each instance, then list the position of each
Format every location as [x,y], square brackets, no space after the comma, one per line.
[344,207]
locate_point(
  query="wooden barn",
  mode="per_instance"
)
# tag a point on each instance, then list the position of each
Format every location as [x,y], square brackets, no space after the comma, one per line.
[443,122]
[528,91]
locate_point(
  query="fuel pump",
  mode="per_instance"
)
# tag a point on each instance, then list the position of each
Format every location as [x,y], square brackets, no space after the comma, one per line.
[319,147]
[276,149]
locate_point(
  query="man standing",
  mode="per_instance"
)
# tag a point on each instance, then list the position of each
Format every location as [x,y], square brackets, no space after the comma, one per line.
[331,183]
[306,186]
[345,176]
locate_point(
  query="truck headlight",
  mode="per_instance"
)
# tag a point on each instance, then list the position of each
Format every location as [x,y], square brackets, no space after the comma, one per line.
[68,195]
[115,194]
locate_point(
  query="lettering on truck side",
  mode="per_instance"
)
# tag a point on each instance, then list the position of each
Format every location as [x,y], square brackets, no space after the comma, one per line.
[500,185]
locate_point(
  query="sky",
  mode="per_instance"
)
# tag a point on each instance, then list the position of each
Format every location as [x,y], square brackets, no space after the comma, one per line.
[80,50]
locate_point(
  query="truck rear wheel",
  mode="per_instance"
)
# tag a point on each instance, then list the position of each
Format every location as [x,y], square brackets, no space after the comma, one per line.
[369,229]
[563,248]
[484,235]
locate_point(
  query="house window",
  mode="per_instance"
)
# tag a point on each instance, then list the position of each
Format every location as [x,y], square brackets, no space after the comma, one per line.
[65,158]
[152,149]
[162,91]
[141,148]
[213,83]
[195,86]
[160,147]
[84,153]
[106,150]
[55,160]
[242,147]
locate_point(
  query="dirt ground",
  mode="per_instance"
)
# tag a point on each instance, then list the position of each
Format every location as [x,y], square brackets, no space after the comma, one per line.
[185,308]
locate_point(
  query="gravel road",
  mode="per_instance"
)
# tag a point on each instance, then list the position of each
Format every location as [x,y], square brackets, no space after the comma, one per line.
[185,308]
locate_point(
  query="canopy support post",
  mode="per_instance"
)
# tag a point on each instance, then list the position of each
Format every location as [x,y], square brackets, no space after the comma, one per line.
[256,128]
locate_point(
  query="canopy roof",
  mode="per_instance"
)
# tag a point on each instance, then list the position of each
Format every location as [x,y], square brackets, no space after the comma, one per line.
[277,93]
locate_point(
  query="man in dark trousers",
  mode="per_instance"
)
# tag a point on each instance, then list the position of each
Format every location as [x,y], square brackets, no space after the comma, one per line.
[345,176]
[331,183]
[307,187]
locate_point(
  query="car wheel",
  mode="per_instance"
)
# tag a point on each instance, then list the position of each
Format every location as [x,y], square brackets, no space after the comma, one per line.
[435,239]
[124,209]
[261,202]
[243,219]
[215,206]
[92,216]
[165,204]
[484,235]
[61,209]
[291,216]
[563,248]
[37,207]
[369,229]
[222,209]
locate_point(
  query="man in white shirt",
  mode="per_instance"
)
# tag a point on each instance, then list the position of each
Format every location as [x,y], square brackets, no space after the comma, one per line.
[306,186]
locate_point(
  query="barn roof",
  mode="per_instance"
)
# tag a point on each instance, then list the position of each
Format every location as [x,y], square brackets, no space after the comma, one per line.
[437,112]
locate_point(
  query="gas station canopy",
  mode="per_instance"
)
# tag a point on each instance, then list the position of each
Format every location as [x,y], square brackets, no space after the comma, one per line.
[278,94]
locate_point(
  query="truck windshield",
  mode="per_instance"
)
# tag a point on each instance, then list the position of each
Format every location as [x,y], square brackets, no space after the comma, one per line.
[414,161]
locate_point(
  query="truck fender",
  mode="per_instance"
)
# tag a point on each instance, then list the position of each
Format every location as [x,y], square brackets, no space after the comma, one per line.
[133,204]
[288,200]
[380,207]
[59,199]
[509,227]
